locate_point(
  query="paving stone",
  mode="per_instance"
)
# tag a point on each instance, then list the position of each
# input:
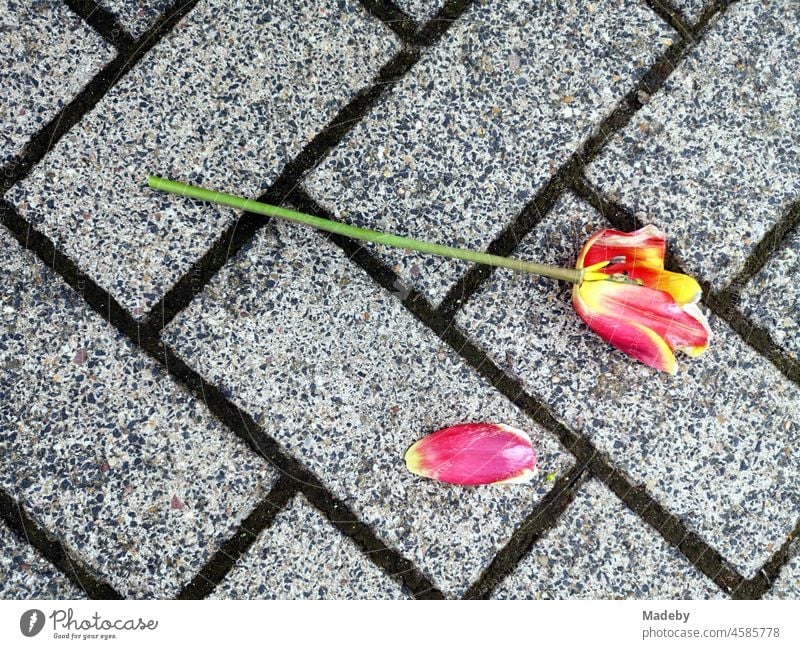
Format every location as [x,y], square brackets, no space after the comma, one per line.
[25,574]
[713,157]
[227,99]
[137,16]
[48,55]
[422,10]
[691,9]
[302,556]
[601,550]
[772,296]
[721,454]
[787,585]
[481,123]
[102,448]
[344,378]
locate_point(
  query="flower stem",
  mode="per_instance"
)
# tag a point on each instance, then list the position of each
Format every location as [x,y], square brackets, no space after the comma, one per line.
[382,238]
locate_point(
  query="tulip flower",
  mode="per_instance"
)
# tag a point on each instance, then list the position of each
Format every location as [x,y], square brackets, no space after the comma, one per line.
[633,303]
[621,288]
[474,454]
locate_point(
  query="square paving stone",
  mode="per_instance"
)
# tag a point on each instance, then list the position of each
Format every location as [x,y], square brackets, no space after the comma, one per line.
[227,99]
[773,295]
[302,556]
[25,574]
[713,156]
[482,121]
[135,15]
[344,378]
[787,585]
[103,449]
[600,549]
[48,55]
[717,444]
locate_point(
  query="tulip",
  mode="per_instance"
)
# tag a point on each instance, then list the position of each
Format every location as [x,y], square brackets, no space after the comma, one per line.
[621,288]
[474,454]
[633,303]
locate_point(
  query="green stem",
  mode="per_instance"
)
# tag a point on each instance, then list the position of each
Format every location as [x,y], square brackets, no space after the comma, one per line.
[382,238]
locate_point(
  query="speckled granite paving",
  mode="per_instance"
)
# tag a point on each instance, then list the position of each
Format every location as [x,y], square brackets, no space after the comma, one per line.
[600,550]
[48,54]
[302,557]
[137,15]
[199,403]
[25,574]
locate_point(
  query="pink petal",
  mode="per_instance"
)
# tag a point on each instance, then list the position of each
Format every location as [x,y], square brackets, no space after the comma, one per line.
[473,454]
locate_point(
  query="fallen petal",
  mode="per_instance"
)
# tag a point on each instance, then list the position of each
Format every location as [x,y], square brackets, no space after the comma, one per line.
[474,454]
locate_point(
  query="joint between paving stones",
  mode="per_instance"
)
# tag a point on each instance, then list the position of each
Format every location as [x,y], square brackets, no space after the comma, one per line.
[394,18]
[391,562]
[671,15]
[225,558]
[763,582]
[103,22]
[765,249]
[47,252]
[505,243]
[22,526]
[436,27]
[544,517]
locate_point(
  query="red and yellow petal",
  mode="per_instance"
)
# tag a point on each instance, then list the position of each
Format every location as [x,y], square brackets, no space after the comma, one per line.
[682,288]
[646,246]
[630,337]
[656,310]
[474,454]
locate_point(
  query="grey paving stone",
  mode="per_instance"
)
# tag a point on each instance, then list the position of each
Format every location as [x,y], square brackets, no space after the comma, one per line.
[227,99]
[601,550]
[48,55]
[713,157]
[691,9]
[787,585]
[717,444]
[422,10]
[341,374]
[102,448]
[772,296]
[25,574]
[302,556]
[135,15]
[481,123]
